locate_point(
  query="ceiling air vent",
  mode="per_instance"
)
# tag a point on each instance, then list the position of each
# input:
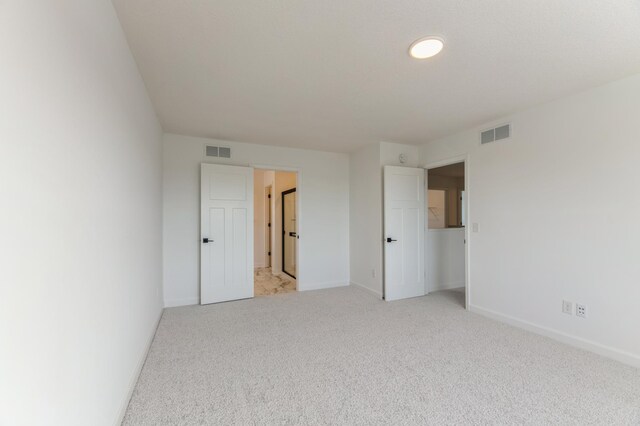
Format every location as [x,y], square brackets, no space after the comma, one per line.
[496,134]
[218,151]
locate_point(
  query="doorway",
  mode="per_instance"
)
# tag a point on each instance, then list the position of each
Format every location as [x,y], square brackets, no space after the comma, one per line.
[446,230]
[276,232]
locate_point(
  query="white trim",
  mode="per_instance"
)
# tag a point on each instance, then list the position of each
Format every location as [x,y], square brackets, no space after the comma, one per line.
[446,162]
[136,373]
[188,301]
[445,229]
[377,293]
[268,225]
[460,158]
[267,167]
[322,286]
[448,286]
[578,342]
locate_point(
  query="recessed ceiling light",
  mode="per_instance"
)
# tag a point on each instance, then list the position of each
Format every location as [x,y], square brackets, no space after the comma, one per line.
[426,47]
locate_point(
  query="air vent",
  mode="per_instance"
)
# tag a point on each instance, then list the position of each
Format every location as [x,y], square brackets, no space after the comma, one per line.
[488,136]
[496,134]
[218,151]
[212,151]
[224,152]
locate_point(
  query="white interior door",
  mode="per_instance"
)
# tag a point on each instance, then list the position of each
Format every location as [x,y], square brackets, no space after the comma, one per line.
[226,255]
[403,232]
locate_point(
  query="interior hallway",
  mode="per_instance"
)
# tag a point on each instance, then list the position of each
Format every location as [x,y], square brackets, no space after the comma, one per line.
[346,357]
[267,284]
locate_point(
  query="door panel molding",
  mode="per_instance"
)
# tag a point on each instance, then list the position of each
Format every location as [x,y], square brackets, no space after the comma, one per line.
[226,228]
[404,205]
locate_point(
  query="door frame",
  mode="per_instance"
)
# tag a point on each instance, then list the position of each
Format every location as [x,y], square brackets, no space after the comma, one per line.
[268,196]
[288,191]
[464,158]
[300,283]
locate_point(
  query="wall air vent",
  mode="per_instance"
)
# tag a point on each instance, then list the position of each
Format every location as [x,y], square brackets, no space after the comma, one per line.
[496,134]
[224,152]
[218,151]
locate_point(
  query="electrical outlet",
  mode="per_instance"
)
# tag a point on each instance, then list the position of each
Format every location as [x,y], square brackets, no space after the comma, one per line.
[567,307]
[581,310]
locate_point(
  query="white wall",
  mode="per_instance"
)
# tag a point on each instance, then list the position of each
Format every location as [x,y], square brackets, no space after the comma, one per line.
[259,218]
[80,208]
[445,259]
[365,222]
[324,216]
[390,154]
[365,194]
[546,233]
[436,211]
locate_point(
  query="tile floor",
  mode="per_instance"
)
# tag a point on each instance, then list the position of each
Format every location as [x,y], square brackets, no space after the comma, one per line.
[267,284]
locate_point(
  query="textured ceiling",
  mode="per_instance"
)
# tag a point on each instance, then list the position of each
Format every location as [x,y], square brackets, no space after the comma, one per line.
[335,75]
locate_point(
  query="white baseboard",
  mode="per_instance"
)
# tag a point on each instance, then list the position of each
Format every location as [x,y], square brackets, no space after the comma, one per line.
[172,303]
[378,294]
[447,286]
[589,345]
[136,372]
[322,286]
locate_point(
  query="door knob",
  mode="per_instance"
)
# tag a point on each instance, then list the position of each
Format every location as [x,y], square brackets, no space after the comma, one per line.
[206,240]
[389,240]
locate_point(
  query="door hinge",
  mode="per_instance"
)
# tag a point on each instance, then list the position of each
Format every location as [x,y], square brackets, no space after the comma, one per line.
[269,195]
[269,225]
[269,253]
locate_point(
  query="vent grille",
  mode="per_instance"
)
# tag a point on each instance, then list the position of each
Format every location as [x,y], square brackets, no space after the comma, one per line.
[218,151]
[488,136]
[224,152]
[212,151]
[496,134]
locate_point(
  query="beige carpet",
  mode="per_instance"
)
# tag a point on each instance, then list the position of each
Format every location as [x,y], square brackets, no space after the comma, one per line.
[267,284]
[341,356]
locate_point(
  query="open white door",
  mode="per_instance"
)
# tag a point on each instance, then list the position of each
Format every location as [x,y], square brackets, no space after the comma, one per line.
[226,255]
[403,232]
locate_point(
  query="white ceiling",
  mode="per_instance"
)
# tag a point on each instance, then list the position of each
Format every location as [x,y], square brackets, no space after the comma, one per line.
[335,75]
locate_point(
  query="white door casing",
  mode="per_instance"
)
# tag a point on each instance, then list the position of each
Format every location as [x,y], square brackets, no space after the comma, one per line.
[226,221]
[404,204]
[268,226]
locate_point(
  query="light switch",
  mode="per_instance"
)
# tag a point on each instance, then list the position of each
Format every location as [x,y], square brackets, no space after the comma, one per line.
[474,227]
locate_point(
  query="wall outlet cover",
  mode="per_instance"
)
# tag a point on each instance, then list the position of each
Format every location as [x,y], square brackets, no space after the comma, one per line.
[567,307]
[581,310]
